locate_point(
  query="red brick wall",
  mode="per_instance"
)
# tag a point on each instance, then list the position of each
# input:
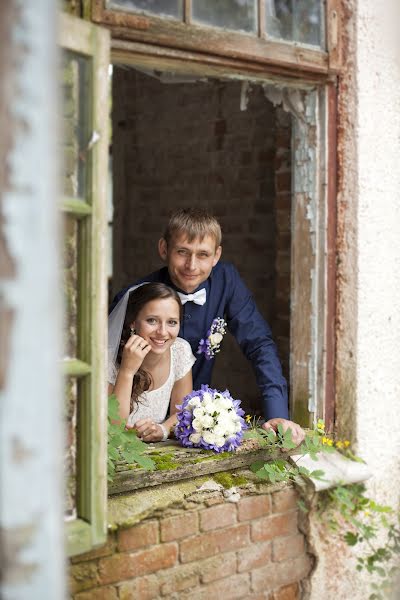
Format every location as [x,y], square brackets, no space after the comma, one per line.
[250,550]
[180,144]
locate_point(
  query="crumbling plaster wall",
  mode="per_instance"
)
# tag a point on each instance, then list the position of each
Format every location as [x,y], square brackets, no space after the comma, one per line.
[368,273]
[369,251]
[31,529]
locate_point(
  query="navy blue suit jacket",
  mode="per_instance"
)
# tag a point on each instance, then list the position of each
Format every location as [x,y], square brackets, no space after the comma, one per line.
[228,297]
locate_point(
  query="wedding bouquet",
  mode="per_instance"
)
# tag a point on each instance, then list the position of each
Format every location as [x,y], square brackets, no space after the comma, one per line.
[211,420]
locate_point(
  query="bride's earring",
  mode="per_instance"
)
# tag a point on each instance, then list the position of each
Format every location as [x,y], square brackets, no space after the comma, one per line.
[133,331]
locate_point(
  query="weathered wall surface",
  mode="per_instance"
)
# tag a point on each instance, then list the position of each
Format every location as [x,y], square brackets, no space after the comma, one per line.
[201,547]
[378,260]
[31,530]
[368,328]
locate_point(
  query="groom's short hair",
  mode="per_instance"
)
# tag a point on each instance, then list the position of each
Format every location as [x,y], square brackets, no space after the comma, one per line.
[193,223]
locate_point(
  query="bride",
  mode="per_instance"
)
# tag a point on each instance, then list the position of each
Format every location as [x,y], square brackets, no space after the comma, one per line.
[150,367]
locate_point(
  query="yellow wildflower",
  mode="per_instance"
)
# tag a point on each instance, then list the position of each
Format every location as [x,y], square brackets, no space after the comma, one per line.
[327,441]
[248,418]
[346,443]
[339,444]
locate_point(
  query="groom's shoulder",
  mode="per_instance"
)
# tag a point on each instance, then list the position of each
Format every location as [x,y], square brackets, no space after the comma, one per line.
[159,276]
[226,272]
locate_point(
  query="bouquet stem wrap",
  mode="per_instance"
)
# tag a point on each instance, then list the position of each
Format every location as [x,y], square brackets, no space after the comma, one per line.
[211,420]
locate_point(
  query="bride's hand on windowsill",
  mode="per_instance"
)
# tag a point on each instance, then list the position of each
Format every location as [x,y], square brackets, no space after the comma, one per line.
[149,431]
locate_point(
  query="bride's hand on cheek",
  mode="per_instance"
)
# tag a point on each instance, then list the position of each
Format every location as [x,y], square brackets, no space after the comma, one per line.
[135,349]
[148,430]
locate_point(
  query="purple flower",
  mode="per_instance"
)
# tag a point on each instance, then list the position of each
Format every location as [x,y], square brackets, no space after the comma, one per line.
[211,345]
[211,420]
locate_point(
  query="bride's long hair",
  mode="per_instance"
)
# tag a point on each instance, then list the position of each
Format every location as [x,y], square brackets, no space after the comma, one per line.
[138,298]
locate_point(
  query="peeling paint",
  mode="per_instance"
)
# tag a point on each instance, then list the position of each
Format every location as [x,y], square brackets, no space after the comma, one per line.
[304,106]
[14,567]
[31,528]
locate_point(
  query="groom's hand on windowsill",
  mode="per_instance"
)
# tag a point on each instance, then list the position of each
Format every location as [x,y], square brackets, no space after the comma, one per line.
[298,434]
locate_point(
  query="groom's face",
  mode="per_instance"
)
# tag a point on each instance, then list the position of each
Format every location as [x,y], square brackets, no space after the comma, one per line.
[189,263]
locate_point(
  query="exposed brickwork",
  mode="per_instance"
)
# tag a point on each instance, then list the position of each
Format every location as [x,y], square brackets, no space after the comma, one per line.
[126,566]
[179,526]
[139,536]
[274,526]
[289,592]
[209,544]
[253,507]
[145,588]
[256,556]
[284,500]
[211,570]
[245,551]
[190,144]
[276,574]
[104,593]
[287,547]
[217,517]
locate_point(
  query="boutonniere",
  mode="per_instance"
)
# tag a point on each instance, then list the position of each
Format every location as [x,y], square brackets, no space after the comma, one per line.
[211,344]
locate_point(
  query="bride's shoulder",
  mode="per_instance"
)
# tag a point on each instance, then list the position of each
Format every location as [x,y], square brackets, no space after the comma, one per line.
[180,345]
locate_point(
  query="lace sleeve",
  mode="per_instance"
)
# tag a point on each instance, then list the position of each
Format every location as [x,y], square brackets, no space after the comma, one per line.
[112,373]
[182,357]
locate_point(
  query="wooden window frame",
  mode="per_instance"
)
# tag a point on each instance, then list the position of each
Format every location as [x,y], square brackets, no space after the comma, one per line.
[283,57]
[89,529]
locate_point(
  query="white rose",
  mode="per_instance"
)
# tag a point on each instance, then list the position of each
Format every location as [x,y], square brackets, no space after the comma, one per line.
[215,338]
[211,408]
[220,430]
[194,402]
[209,437]
[195,438]
[197,424]
[207,421]
[219,441]
[225,403]
[207,398]
[198,412]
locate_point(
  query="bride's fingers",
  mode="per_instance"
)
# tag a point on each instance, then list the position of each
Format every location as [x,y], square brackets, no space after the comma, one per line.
[148,430]
[136,342]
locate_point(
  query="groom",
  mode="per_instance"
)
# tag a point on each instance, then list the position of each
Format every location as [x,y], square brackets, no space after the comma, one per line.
[191,249]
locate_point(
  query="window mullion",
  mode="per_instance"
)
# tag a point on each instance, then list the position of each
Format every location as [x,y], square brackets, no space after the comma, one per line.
[187,11]
[261,18]
[75,367]
[76,207]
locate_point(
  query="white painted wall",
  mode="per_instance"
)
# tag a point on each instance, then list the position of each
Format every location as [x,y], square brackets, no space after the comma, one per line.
[378,257]
[31,436]
[368,345]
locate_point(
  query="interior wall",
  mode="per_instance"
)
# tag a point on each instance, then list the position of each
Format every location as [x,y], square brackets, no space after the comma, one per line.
[190,143]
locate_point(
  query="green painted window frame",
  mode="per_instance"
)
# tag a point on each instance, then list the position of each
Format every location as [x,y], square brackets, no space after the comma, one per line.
[89,529]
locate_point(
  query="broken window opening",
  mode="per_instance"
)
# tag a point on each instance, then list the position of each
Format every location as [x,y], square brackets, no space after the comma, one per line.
[182,139]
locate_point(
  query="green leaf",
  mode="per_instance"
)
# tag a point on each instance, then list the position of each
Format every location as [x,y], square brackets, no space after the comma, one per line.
[351,538]
[303,471]
[257,466]
[113,408]
[318,474]
[122,443]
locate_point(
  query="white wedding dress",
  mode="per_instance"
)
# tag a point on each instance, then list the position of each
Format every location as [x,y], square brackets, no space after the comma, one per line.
[154,404]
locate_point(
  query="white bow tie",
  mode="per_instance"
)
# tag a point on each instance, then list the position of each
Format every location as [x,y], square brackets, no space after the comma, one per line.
[198,297]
